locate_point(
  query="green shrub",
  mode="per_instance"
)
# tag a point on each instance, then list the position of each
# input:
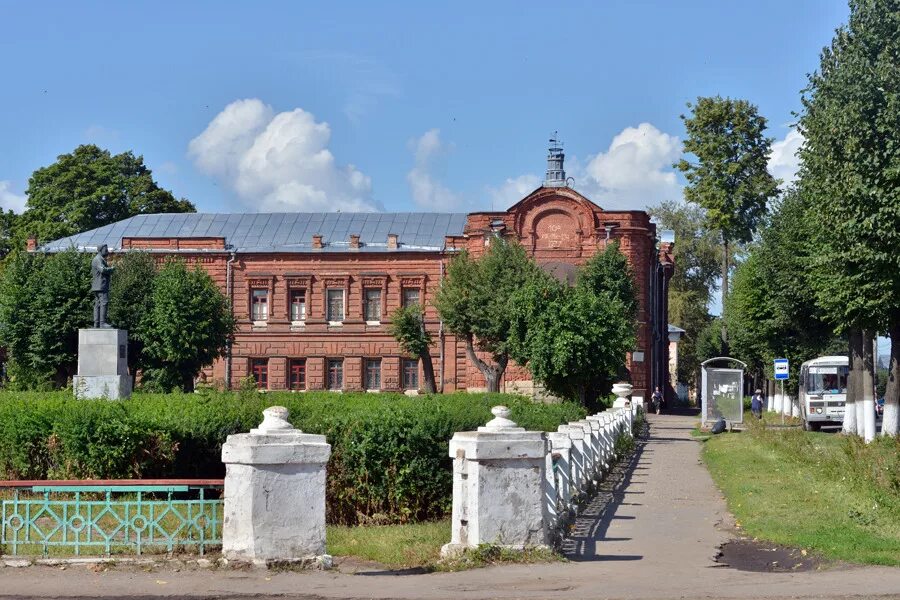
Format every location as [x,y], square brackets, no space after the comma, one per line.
[389,458]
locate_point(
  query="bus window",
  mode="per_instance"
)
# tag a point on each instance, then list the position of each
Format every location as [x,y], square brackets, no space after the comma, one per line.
[827,380]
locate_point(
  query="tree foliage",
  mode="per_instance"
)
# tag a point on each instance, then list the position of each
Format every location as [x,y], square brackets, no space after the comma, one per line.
[729,178]
[130,293]
[89,188]
[408,328]
[186,327]
[44,300]
[850,170]
[474,302]
[574,339]
[771,311]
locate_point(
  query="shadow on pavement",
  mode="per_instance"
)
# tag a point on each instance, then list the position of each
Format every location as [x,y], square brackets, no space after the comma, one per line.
[591,525]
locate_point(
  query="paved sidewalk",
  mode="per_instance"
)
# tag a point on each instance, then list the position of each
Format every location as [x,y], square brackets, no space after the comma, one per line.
[656,539]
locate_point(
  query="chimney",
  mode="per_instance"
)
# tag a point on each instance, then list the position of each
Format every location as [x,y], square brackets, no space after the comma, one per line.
[393,241]
[317,242]
[354,240]
[32,244]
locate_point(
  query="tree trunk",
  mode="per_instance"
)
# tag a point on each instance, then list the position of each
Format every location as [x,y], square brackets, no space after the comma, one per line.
[868,392]
[724,286]
[891,422]
[187,383]
[491,373]
[428,371]
[854,383]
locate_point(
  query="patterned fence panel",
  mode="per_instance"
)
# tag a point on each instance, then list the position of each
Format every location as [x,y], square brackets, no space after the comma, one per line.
[111,517]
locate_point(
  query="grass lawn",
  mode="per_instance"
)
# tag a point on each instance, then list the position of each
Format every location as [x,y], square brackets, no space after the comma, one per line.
[824,492]
[412,545]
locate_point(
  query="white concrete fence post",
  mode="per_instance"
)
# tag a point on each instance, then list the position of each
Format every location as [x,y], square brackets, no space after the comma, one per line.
[275,493]
[559,474]
[498,486]
[577,458]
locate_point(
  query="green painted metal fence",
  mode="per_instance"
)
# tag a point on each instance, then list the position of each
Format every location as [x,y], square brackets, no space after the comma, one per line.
[109,517]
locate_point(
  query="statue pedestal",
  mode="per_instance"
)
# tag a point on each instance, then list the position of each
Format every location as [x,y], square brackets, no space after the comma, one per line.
[102,364]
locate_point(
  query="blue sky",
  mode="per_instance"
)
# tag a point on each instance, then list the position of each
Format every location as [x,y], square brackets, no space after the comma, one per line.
[395,105]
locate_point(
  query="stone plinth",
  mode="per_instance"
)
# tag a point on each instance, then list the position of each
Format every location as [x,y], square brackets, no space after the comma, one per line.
[275,493]
[102,364]
[498,486]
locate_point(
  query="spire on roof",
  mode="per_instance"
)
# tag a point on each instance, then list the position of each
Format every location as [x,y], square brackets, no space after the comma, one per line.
[556,174]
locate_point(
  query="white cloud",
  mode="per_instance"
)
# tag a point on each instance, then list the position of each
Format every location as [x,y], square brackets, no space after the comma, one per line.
[426,189]
[635,172]
[512,190]
[784,162]
[279,162]
[11,200]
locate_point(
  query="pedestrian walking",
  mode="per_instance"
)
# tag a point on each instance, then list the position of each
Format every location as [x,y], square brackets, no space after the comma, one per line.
[756,403]
[656,400]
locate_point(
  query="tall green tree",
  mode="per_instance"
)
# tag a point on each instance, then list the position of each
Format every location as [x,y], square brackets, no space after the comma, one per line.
[573,339]
[18,288]
[44,300]
[850,170]
[474,303]
[130,294]
[408,328]
[728,176]
[187,326]
[697,254]
[89,188]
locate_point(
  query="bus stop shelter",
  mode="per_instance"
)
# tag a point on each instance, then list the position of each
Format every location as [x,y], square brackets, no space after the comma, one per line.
[722,388]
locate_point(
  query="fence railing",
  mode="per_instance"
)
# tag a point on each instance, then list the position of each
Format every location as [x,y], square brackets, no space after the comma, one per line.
[64,517]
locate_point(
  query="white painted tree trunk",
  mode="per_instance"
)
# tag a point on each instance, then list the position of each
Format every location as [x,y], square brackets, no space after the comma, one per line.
[868,392]
[891,421]
[860,414]
[854,385]
[795,407]
[890,425]
[779,399]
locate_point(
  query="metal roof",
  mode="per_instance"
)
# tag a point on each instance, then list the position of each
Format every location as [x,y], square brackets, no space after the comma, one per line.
[278,232]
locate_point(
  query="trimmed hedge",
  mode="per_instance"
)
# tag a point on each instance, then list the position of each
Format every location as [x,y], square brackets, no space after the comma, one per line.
[389,459]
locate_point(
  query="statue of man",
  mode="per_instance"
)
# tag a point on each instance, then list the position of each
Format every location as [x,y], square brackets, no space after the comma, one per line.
[100,274]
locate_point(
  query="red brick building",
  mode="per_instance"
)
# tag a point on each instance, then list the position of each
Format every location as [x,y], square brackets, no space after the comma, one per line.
[312,292]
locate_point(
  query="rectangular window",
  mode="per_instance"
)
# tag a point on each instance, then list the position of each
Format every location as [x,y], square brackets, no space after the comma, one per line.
[259,369]
[373,304]
[373,373]
[335,299]
[410,296]
[298,374]
[298,305]
[410,374]
[259,310]
[335,374]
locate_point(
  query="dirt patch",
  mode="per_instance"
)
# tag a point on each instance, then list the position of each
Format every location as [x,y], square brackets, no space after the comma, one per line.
[761,557]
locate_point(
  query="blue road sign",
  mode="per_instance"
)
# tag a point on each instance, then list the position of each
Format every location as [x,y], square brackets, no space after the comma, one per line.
[781,368]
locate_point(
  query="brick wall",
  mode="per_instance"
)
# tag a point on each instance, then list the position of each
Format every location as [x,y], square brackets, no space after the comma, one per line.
[556,225]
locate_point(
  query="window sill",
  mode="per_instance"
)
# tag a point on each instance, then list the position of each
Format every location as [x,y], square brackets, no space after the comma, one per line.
[373,323]
[260,324]
[298,324]
[373,391]
[335,323]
